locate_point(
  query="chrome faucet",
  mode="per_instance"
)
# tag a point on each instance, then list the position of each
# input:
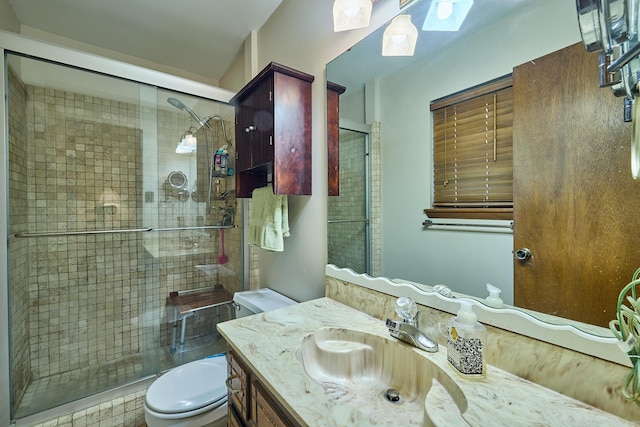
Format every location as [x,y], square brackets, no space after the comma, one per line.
[408,329]
[410,334]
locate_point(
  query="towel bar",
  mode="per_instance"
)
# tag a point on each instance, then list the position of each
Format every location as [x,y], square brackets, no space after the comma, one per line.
[428,223]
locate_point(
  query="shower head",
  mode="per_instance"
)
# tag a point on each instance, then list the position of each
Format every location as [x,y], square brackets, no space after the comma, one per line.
[180,106]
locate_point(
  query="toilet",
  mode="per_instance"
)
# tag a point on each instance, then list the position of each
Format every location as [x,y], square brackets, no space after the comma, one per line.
[195,394]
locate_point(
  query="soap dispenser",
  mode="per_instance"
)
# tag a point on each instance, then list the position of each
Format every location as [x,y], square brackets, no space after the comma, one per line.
[466,338]
[494,300]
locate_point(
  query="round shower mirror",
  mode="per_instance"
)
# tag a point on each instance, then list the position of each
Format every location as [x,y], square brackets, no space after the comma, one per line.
[177,180]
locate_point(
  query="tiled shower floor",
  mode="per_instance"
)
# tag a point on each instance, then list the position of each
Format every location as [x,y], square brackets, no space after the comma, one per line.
[56,390]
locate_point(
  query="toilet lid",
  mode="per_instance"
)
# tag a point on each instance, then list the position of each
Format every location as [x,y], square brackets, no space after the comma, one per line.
[189,387]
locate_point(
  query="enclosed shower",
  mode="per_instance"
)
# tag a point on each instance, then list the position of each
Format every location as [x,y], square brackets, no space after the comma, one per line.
[349,231]
[107,217]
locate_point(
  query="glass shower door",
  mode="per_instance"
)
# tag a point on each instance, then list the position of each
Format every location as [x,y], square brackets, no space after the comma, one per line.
[106,219]
[348,224]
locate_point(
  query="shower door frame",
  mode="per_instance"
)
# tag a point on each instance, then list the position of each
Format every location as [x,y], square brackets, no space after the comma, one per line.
[364,129]
[14,43]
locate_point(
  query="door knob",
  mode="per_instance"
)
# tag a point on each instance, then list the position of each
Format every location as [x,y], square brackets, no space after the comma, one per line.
[522,254]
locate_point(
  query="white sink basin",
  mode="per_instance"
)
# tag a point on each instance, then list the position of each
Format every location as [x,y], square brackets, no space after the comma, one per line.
[359,369]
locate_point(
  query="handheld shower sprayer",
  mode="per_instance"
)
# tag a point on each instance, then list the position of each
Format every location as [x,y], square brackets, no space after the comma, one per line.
[205,126]
[180,106]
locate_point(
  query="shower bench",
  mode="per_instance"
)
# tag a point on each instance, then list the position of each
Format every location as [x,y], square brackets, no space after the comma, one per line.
[187,303]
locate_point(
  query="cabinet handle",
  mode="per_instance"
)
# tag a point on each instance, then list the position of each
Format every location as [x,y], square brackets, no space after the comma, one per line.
[230,387]
[249,129]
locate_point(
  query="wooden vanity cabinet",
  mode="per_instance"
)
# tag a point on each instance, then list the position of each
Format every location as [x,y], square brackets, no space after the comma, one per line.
[250,403]
[238,388]
[273,132]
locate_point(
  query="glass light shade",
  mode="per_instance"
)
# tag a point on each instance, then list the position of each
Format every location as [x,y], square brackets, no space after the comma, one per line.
[189,140]
[351,14]
[399,39]
[188,144]
[444,9]
[446,15]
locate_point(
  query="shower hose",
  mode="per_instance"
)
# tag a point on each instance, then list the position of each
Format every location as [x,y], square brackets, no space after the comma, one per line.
[626,329]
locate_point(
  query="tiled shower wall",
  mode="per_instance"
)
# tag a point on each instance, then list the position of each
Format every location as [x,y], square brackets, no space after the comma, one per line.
[189,259]
[347,246]
[77,301]
[19,260]
[84,291]
[375,213]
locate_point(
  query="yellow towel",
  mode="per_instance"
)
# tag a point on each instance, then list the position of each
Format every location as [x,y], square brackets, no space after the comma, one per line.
[269,219]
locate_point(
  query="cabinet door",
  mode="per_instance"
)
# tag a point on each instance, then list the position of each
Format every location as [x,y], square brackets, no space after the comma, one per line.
[261,119]
[333,136]
[233,420]
[238,385]
[292,145]
[265,413]
[254,127]
[245,132]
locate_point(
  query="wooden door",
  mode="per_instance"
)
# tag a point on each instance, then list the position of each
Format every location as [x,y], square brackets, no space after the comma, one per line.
[575,202]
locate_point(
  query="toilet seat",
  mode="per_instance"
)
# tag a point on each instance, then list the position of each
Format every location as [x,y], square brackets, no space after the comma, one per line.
[189,389]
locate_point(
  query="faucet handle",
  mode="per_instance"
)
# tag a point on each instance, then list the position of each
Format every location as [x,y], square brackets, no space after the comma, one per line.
[406,309]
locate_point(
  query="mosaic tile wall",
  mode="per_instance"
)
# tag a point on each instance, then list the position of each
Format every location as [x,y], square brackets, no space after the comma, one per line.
[346,251]
[100,299]
[188,259]
[125,411]
[83,289]
[347,246]
[19,260]
[375,215]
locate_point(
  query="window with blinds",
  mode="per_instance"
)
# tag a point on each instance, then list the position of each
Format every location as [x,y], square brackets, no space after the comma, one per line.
[473,153]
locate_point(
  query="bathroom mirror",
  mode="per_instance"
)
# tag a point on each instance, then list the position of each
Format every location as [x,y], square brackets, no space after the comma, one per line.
[496,37]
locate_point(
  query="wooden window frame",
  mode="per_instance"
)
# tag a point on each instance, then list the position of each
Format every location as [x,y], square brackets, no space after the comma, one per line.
[489,107]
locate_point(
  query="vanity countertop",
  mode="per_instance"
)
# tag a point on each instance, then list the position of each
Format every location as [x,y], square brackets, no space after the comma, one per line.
[269,342]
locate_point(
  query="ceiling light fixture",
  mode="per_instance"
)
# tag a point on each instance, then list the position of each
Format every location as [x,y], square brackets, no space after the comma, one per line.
[188,144]
[351,14]
[446,15]
[399,39]
[444,9]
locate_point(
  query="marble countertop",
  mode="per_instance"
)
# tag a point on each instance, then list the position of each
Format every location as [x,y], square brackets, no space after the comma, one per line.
[270,343]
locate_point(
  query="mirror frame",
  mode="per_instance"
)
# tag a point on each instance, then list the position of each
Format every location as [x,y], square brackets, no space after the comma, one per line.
[515,320]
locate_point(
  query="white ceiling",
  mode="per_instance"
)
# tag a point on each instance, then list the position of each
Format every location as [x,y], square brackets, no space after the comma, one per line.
[203,37]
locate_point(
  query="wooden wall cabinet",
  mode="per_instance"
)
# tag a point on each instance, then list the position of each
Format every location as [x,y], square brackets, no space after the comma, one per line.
[250,404]
[334,91]
[273,132]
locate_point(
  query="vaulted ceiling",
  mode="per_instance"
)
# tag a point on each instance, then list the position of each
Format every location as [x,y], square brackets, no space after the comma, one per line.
[202,37]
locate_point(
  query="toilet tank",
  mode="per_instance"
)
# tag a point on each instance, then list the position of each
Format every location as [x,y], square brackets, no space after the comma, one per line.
[258,301]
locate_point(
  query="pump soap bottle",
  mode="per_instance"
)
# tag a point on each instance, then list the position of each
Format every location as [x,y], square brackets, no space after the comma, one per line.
[494,300]
[466,340]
